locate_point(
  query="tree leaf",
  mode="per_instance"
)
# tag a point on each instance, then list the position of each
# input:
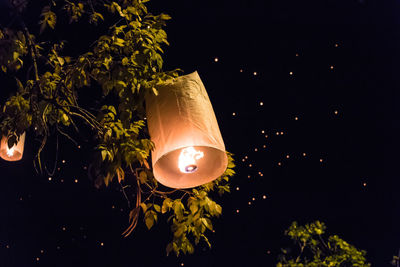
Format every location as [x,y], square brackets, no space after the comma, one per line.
[144,207]
[157,208]
[169,248]
[207,223]
[149,220]
[103,155]
[142,177]
[167,204]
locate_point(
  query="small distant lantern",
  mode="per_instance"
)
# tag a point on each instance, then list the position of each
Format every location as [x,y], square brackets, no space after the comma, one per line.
[189,149]
[14,153]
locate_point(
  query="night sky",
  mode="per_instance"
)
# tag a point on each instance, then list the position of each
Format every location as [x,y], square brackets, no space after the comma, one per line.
[306,94]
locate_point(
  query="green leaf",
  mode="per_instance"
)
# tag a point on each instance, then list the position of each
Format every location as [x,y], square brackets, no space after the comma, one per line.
[149,219]
[149,222]
[142,177]
[194,207]
[178,209]
[119,42]
[48,18]
[155,91]
[181,229]
[99,15]
[157,207]
[144,207]
[125,61]
[167,204]
[206,239]
[103,155]
[218,209]
[169,248]
[20,87]
[207,223]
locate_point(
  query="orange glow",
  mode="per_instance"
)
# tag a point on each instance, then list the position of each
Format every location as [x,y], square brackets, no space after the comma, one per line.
[10,151]
[188,159]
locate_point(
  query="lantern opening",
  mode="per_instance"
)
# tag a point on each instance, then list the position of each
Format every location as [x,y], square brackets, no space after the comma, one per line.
[188,159]
[10,151]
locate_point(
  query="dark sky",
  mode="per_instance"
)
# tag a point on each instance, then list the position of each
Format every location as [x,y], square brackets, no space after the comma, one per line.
[333,65]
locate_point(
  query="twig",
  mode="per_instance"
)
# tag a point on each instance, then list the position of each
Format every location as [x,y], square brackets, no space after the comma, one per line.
[66,135]
[55,162]
[126,197]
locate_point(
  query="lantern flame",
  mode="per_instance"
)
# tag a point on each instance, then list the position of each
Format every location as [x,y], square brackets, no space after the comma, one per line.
[188,159]
[10,151]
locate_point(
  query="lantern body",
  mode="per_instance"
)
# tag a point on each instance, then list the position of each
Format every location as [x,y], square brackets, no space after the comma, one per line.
[182,123]
[12,154]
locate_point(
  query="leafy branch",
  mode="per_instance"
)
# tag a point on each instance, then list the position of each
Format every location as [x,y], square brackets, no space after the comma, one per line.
[118,68]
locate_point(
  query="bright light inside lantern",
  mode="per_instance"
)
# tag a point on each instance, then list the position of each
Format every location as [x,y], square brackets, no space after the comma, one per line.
[10,151]
[188,159]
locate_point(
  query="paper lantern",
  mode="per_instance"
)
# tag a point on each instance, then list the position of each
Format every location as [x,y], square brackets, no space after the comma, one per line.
[189,150]
[14,153]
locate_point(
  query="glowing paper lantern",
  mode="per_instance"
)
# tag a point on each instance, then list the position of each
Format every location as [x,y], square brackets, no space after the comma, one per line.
[14,153]
[189,150]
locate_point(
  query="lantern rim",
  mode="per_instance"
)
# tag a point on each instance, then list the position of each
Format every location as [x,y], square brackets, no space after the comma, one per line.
[204,173]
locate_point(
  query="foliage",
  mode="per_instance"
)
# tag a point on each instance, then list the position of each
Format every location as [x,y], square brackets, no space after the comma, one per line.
[316,250]
[395,261]
[124,62]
